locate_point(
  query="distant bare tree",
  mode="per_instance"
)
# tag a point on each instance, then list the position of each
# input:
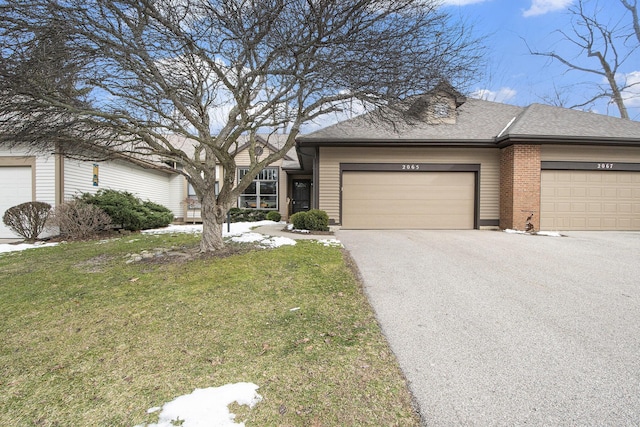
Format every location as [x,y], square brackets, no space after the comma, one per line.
[124,74]
[601,49]
[633,9]
[558,98]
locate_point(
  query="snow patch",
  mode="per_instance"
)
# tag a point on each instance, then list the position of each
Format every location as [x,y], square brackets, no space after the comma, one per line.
[331,243]
[535,233]
[4,248]
[206,407]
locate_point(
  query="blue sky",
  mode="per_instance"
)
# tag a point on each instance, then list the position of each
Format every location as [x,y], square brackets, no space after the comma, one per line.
[513,75]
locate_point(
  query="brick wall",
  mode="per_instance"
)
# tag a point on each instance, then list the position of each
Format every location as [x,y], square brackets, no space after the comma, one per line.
[519,186]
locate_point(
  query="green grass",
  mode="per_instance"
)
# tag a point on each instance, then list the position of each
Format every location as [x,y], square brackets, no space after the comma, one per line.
[88,339]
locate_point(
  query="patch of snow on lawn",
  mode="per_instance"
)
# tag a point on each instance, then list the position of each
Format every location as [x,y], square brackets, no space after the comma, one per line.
[4,248]
[331,243]
[207,407]
[237,228]
[239,232]
[262,240]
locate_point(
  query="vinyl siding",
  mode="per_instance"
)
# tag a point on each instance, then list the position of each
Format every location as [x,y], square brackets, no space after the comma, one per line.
[331,157]
[147,184]
[46,179]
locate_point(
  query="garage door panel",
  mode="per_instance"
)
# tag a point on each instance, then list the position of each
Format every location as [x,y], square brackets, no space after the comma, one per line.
[16,188]
[392,200]
[590,200]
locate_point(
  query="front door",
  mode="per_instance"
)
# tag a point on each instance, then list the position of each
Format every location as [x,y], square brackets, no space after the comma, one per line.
[301,199]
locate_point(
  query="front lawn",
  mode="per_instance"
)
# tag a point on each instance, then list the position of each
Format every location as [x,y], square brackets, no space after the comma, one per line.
[90,338]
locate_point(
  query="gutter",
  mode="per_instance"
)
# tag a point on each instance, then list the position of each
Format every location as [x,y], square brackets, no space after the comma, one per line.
[366,142]
[508,140]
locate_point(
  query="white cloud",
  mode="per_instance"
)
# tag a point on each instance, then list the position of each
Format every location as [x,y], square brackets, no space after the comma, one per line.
[631,95]
[540,7]
[460,2]
[501,95]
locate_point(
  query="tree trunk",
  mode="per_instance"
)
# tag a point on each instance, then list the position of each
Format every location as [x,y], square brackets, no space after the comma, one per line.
[213,217]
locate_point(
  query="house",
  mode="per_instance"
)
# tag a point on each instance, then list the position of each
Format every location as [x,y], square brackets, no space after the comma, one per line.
[282,186]
[53,178]
[49,177]
[442,162]
[448,162]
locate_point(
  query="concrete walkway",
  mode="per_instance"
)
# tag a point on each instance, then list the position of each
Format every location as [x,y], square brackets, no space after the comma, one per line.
[497,329]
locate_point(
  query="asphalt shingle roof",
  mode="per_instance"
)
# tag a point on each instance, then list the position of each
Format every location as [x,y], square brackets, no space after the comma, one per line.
[480,121]
[546,120]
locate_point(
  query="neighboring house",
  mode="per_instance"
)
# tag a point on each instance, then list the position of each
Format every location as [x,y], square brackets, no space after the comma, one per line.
[51,178]
[459,163]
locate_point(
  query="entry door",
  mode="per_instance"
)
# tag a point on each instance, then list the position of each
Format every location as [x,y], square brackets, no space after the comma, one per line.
[301,195]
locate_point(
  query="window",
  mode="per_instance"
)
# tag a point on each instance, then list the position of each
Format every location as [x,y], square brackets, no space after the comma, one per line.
[441,110]
[192,197]
[262,193]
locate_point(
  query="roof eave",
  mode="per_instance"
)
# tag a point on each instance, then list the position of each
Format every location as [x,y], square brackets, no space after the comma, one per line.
[370,142]
[508,140]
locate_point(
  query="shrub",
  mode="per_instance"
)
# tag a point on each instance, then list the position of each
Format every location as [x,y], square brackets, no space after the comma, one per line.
[129,212]
[317,220]
[274,216]
[313,220]
[299,220]
[28,219]
[156,215]
[79,220]
[247,215]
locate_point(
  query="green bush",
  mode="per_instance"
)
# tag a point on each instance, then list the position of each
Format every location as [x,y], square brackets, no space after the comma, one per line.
[247,215]
[317,220]
[28,219]
[313,220]
[128,211]
[274,216]
[299,220]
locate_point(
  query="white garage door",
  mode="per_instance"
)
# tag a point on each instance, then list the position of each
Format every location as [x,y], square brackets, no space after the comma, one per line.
[400,200]
[15,188]
[590,200]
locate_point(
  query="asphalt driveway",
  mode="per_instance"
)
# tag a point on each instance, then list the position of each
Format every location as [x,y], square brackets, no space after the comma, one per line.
[493,328]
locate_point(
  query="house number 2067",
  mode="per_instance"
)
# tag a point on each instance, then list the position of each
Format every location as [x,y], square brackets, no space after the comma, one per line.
[411,167]
[605,166]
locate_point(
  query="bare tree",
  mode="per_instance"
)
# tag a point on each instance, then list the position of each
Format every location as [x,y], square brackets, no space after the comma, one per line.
[125,74]
[600,49]
[633,9]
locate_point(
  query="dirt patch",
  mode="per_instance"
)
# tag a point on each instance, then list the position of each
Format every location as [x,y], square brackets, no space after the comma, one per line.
[95,264]
[184,254]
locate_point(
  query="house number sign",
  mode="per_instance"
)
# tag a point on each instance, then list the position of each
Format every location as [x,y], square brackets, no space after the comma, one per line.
[588,166]
[410,167]
[605,166]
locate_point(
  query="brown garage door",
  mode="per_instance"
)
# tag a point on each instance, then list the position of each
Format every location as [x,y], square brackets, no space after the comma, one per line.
[590,200]
[417,200]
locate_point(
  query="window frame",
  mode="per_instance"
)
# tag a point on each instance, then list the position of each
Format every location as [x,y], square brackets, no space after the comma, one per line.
[270,175]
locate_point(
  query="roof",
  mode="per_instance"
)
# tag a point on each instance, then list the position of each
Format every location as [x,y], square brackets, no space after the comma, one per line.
[480,123]
[549,122]
[274,142]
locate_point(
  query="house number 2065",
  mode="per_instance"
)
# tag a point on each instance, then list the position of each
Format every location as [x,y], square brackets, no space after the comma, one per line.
[411,167]
[605,166]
